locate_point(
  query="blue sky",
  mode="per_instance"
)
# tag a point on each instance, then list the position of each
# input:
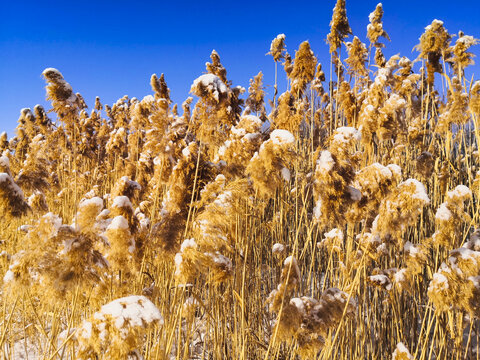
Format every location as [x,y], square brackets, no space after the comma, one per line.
[111,49]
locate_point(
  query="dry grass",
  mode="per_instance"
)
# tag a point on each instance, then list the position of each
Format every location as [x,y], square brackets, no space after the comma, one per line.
[339,226]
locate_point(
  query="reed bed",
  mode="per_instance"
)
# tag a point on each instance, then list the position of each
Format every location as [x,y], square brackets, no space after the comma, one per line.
[335,220]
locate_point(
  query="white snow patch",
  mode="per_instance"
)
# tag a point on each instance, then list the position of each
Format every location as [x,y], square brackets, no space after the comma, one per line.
[4,161]
[285,174]
[461,191]
[401,352]
[212,83]
[334,233]
[9,276]
[186,152]
[5,178]
[443,214]
[118,223]
[54,220]
[420,191]
[395,169]
[325,163]
[280,137]
[298,303]
[188,243]
[221,260]
[94,201]
[411,249]
[133,311]
[122,202]
[278,248]
[291,261]
[346,133]
[439,281]
[384,170]
[254,120]
[399,276]
[381,280]
[238,132]
[317,210]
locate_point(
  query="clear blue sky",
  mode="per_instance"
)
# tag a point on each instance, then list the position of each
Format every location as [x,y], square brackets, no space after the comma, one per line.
[110,49]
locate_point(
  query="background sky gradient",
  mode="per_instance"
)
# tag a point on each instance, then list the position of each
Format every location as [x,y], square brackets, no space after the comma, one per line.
[111,48]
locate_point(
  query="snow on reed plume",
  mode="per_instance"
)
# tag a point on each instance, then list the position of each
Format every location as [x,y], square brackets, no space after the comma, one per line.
[118,328]
[306,320]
